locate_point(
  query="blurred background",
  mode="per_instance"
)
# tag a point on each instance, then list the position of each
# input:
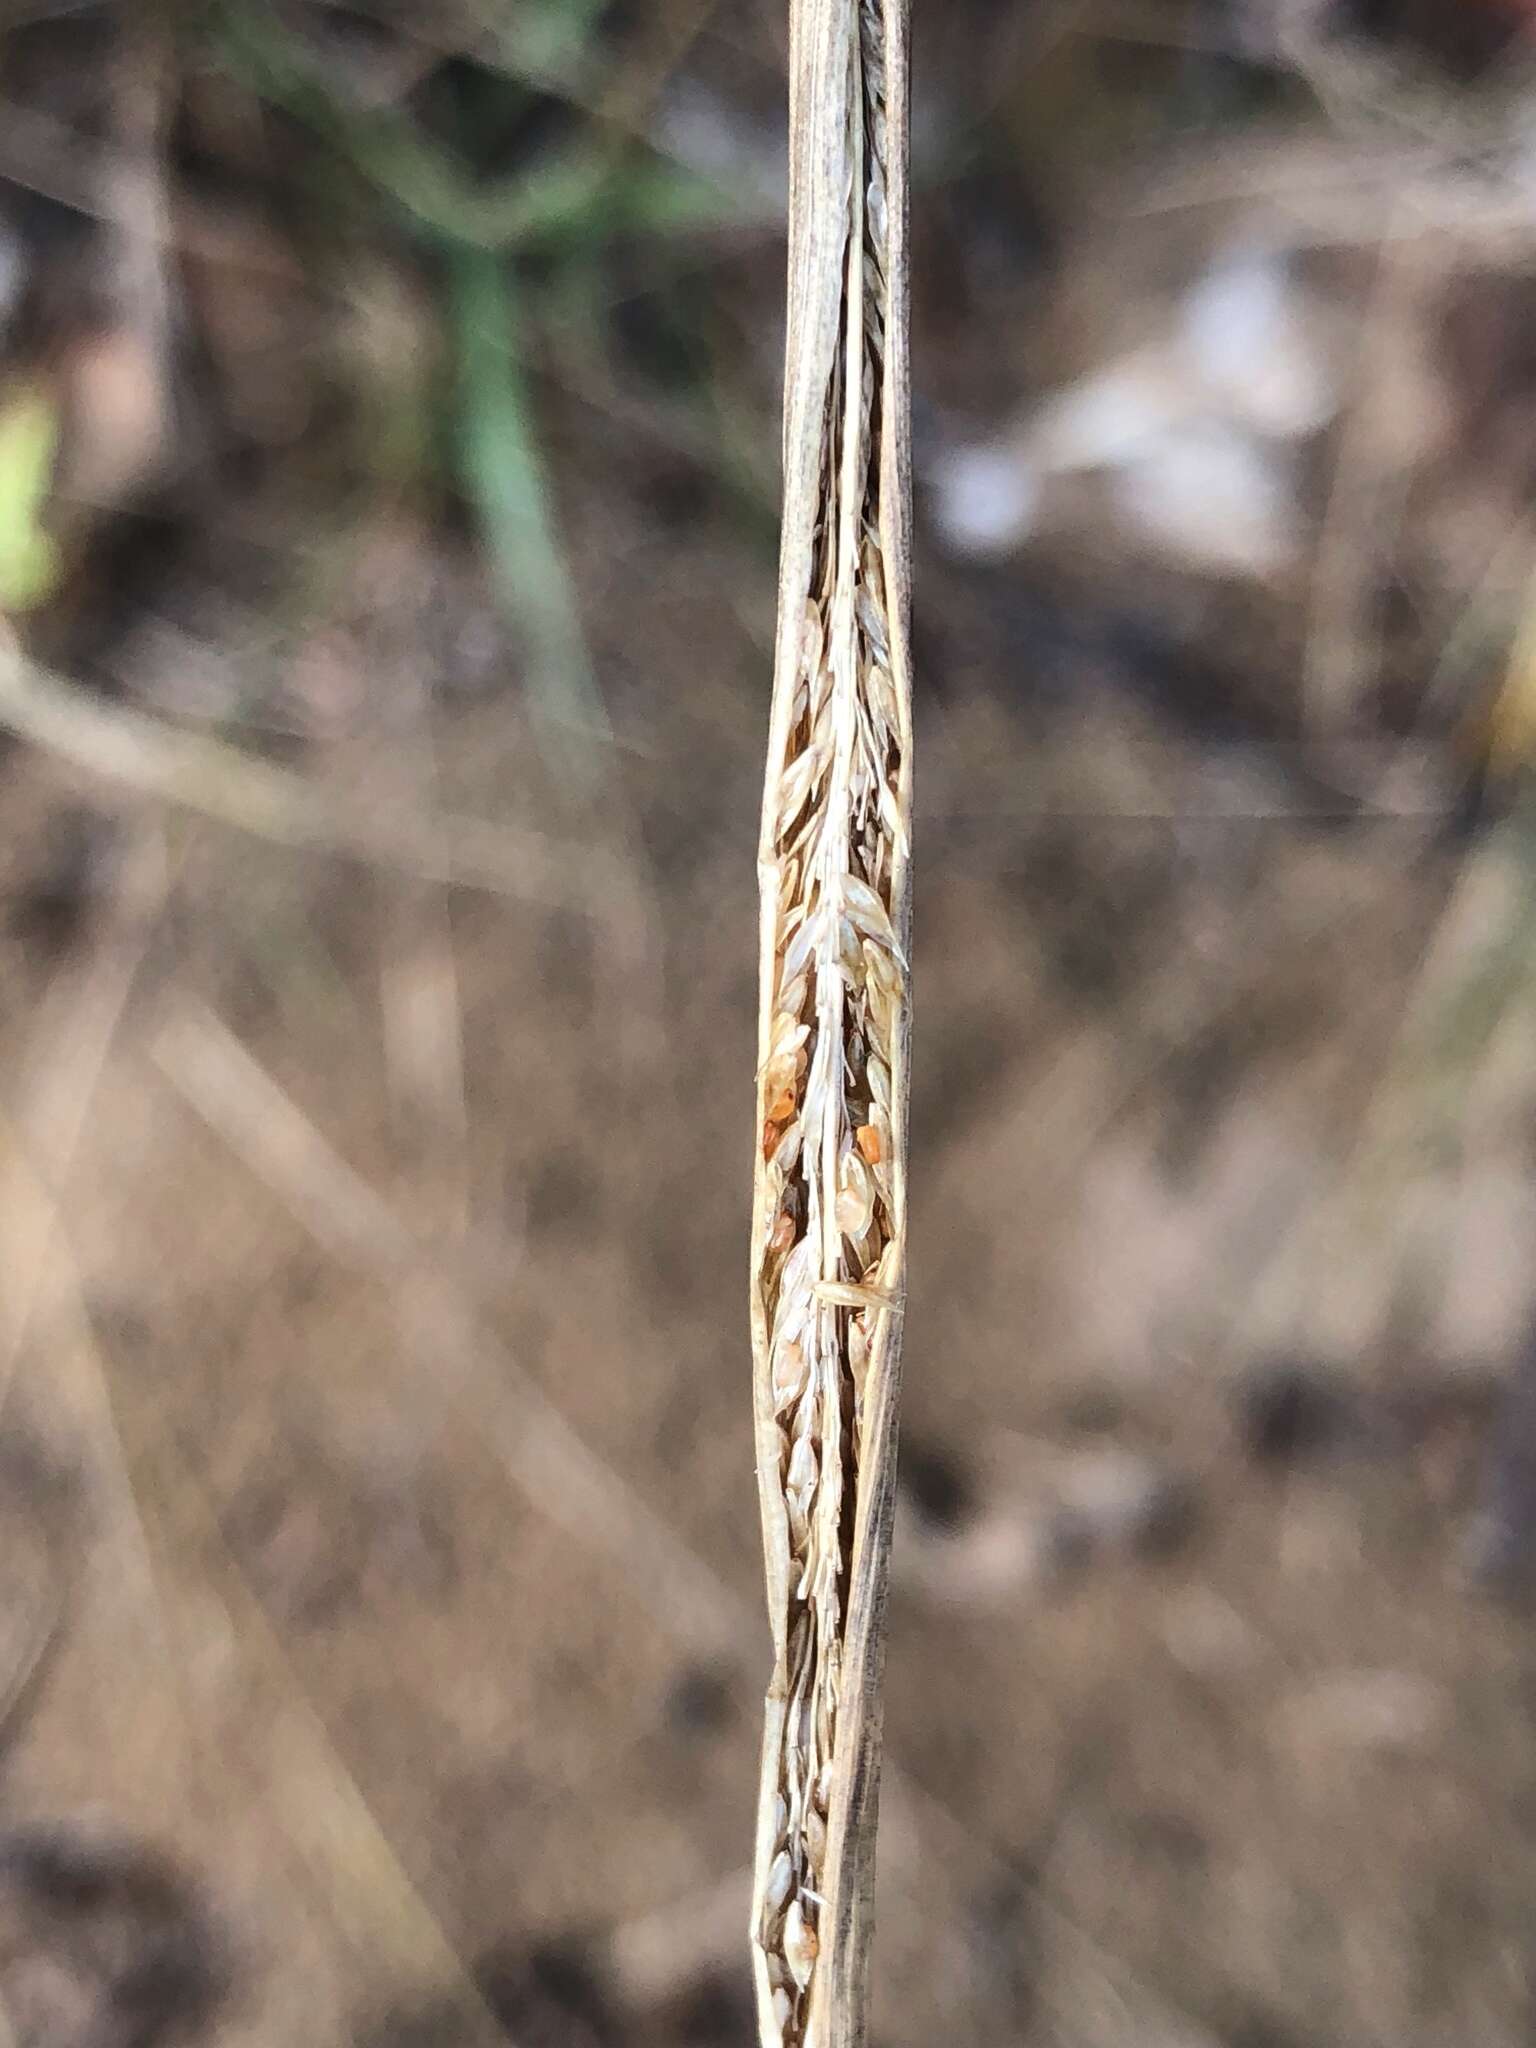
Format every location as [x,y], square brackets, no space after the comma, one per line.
[388,498]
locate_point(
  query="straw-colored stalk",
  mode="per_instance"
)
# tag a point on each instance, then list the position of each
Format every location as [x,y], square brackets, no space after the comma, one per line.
[829,1218]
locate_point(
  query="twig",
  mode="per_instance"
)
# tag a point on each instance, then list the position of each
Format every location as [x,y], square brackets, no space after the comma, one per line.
[359,1881]
[76,1026]
[357,1877]
[119,745]
[444,1326]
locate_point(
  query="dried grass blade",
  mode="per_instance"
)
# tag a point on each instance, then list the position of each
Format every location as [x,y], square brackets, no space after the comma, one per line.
[829,1214]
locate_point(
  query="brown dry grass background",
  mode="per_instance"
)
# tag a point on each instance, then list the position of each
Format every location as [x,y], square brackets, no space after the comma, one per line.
[381,1642]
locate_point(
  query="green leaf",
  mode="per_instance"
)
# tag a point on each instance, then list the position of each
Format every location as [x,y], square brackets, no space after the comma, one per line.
[29,559]
[505,481]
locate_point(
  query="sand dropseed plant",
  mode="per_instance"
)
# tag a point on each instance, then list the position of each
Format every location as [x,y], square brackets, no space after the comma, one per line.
[829,1215]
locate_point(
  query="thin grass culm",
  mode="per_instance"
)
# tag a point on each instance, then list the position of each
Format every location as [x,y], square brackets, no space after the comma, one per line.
[829,1215]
